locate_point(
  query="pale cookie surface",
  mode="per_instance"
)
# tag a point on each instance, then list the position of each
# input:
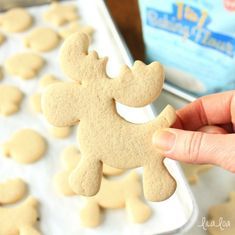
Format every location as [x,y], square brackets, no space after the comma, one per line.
[35,99]
[124,193]
[59,14]
[192,171]
[2,38]
[104,136]
[47,80]
[35,102]
[60,132]
[74,27]
[15,20]
[24,65]
[225,211]
[42,39]
[12,191]
[113,194]
[20,219]
[10,99]
[70,158]
[1,73]
[25,146]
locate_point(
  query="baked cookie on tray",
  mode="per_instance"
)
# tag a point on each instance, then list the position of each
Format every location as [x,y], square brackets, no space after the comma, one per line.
[113,194]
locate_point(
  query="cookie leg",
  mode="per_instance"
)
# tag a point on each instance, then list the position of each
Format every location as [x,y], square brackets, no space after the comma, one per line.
[137,210]
[90,214]
[86,177]
[158,184]
[28,230]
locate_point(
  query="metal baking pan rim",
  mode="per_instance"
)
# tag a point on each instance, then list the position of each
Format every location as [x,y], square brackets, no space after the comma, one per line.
[128,57]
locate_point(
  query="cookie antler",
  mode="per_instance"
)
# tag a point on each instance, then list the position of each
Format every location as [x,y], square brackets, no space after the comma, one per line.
[78,63]
[140,85]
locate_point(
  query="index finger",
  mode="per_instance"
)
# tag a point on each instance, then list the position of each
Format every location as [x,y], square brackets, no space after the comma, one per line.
[215,109]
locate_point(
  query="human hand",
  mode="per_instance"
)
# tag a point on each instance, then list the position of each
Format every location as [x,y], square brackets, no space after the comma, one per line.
[193,139]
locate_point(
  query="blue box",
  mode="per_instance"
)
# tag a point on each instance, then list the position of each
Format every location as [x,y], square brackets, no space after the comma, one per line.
[194,40]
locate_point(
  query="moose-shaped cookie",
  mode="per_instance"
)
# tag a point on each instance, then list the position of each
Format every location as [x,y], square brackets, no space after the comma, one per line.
[105,136]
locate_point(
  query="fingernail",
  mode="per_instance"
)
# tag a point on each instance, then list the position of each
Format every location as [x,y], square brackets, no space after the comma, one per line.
[164,140]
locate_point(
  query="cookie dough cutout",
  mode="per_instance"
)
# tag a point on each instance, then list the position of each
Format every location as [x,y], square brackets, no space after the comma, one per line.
[25,146]
[2,39]
[12,191]
[15,20]
[60,14]
[10,99]
[192,171]
[74,27]
[104,136]
[113,194]
[225,211]
[42,39]
[24,65]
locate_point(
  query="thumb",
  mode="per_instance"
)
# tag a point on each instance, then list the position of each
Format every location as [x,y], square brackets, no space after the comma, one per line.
[197,147]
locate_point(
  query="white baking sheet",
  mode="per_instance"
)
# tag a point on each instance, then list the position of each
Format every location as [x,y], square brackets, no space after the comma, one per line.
[60,215]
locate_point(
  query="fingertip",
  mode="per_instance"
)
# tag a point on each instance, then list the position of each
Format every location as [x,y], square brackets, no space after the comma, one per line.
[213,130]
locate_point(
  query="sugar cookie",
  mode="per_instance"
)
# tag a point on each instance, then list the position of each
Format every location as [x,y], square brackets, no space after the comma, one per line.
[25,146]
[47,80]
[1,73]
[60,132]
[113,194]
[59,14]
[42,39]
[24,65]
[35,99]
[123,193]
[70,158]
[12,190]
[192,171]
[226,212]
[116,194]
[35,102]
[2,38]
[20,219]
[74,27]
[15,20]
[10,99]
[104,136]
